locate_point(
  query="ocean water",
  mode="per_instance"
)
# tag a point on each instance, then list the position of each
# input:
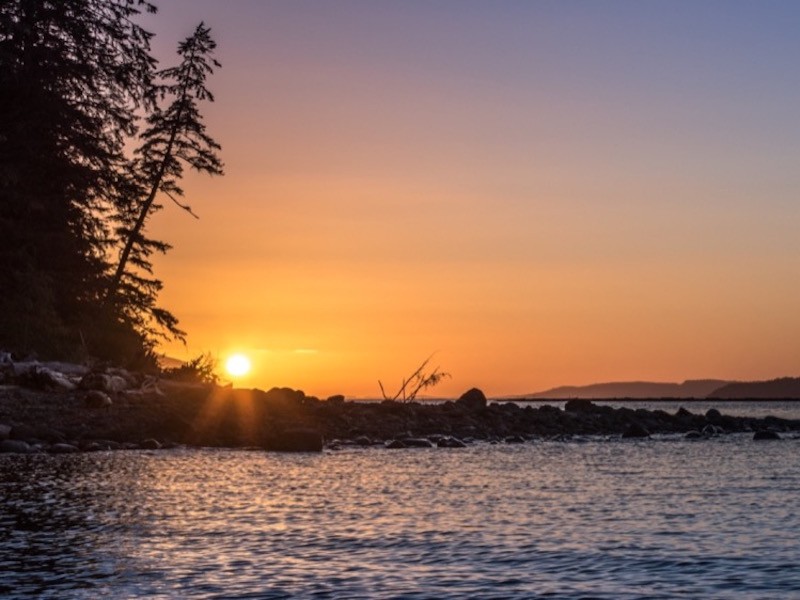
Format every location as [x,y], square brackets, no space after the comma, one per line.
[591,518]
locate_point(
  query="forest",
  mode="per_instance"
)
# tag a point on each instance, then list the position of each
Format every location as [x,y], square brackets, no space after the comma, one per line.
[95,137]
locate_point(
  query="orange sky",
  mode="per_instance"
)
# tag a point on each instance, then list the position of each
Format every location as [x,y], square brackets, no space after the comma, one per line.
[539,193]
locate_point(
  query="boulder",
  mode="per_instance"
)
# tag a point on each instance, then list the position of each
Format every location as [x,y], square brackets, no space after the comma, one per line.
[295,440]
[450,442]
[713,415]
[712,430]
[48,379]
[104,382]
[150,444]
[362,440]
[97,399]
[683,413]
[473,399]
[579,405]
[15,446]
[412,442]
[635,430]
[514,439]
[766,435]
[62,449]
[395,444]
[693,435]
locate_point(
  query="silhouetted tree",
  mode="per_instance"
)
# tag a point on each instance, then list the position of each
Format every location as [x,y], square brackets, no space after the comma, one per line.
[175,135]
[72,75]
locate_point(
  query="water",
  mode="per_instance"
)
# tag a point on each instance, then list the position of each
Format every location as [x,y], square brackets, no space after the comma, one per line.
[783,409]
[595,519]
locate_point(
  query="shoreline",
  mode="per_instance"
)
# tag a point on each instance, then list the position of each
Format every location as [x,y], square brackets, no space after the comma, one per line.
[282,419]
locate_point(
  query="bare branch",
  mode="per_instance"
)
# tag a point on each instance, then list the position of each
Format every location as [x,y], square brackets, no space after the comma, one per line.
[185,207]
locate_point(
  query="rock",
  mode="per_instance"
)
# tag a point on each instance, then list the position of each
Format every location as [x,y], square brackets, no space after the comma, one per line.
[337,399]
[96,447]
[635,430]
[97,399]
[412,442]
[693,435]
[296,440]
[362,440]
[450,442]
[150,444]
[395,444]
[766,435]
[514,439]
[712,430]
[49,379]
[62,449]
[5,431]
[682,412]
[473,399]
[712,414]
[15,446]
[103,382]
[579,405]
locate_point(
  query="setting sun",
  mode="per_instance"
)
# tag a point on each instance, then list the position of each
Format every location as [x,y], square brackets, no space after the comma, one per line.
[238,365]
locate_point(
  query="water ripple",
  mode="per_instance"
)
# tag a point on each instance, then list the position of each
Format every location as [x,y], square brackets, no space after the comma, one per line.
[598,519]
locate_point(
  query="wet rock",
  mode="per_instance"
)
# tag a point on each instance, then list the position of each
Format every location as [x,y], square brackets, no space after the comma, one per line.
[15,446]
[683,413]
[514,439]
[296,440]
[62,449]
[395,444]
[95,447]
[580,405]
[473,399]
[450,442]
[713,415]
[412,442]
[693,435]
[150,444]
[766,435]
[712,430]
[635,430]
[97,399]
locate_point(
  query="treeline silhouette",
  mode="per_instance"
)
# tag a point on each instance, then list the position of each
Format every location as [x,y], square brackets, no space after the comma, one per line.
[79,88]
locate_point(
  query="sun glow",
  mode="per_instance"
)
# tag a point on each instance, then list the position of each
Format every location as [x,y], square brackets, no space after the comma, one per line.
[238,365]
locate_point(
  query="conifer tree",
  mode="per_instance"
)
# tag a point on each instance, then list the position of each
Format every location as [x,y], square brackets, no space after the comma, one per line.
[72,76]
[175,135]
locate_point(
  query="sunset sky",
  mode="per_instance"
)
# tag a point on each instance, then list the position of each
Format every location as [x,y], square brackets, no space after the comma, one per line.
[542,193]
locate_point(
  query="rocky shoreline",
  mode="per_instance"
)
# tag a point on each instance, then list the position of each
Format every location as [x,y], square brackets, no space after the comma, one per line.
[104,411]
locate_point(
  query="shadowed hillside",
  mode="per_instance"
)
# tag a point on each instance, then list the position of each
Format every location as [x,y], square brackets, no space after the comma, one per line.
[699,388]
[785,387]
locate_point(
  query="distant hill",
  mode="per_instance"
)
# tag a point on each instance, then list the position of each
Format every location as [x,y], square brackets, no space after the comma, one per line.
[785,387]
[699,388]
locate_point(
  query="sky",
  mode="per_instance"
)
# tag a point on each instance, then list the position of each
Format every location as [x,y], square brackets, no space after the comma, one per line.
[538,193]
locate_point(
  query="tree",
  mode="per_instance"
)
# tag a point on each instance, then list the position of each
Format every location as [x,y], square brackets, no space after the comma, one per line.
[72,76]
[174,135]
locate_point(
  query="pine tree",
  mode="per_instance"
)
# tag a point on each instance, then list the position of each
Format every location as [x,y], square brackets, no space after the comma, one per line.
[175,135]
[72,76]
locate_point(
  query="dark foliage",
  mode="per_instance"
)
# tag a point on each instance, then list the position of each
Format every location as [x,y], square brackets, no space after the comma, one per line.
[73,78]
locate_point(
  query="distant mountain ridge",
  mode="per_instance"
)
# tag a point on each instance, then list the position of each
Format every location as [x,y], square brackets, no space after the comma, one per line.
[698,388]
[775,389]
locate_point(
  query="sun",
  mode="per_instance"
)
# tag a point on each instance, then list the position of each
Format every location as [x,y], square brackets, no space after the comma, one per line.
[238,365]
